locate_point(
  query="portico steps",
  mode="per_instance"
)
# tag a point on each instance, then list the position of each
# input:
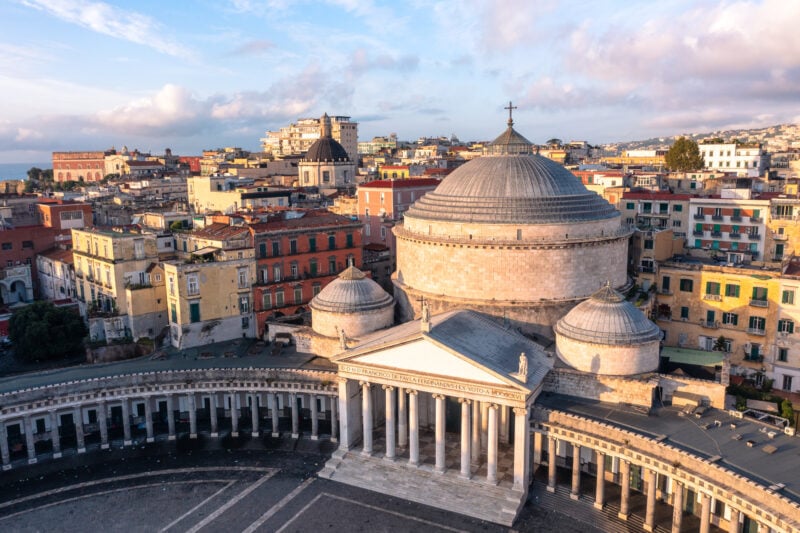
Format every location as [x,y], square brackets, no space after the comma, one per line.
[448,491]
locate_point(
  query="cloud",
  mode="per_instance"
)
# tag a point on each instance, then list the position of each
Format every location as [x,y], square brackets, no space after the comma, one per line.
[253,48]
[361,62]
[113,21]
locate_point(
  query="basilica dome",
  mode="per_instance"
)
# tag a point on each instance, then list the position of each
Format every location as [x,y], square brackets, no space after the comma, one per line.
[353,303]
[607,334]
[326,150]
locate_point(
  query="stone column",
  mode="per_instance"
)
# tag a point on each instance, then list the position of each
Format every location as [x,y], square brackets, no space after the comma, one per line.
[705,513]
[522,442]
[537,449]
[552,454]
[504,424]
[102,421]
[334,419]
[413,428]
[476,432]
[272,399]
[466,453]
[55,436]
[402,418]
[733,524]
[677,506]
[625,489]
[391,437]
[29,443]
[255,415]
[213,415]
[484,425]
[650,513]
[440,437]
[600,489]
[171,417]
[126,422]
[295,416]
[5,453]
[491,444]
[191,400]
[148,418]
[366,417]
[77,416]
[312,400]
[234,415]
[576,472]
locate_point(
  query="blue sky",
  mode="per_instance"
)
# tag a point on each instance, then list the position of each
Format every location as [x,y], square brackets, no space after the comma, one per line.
[85,74]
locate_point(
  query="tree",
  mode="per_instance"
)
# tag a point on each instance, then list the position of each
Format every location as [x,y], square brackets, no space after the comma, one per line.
[42,331]
[684,156]
[34,173]
[554,142]
[787,411]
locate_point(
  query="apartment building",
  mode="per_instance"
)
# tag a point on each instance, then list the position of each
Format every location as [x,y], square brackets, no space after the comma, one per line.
[229,194]
[656,210]
[297,137]
[744,159]
[734,225]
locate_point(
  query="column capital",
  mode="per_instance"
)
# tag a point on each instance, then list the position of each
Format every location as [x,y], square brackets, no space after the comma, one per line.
[411,392]
[493,406]
[364,383]
[465,400]
[438,396]
[341,380]
[521,410]
[388,387]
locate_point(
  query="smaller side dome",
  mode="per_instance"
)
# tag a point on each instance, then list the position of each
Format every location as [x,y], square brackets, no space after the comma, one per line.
[353,303]
[606,334]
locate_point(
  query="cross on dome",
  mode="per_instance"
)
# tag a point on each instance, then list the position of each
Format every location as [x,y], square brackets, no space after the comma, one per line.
[510,108]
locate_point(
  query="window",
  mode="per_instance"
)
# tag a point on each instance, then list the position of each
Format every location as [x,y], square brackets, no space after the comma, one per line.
[312,267]
[279,298]
[172,286]
[648,244]
[783,354]
[276,248]
[293,246]
[315,288]
[326,176]
[630,205]
[757,323]
[676,223]
[665,284]
[294,269]
[242,277]
[331,242]
[298,295]
[266,300]
[276,272]
[687,285]
[685,313]
[244,304]
[383,232]
[262,249]
[305,176]
[760,294]
[332,265]
[27,244]
[785,326]
[7,246]
[312,244]
[730,319]
[192,284]
[712,288]
[194,312]
[787,297]
[678,208]
[349,240]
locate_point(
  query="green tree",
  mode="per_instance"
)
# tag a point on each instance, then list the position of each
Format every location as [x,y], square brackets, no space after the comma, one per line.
[34,173]
[684,156]
[787,411]
[554,142]
[42,331]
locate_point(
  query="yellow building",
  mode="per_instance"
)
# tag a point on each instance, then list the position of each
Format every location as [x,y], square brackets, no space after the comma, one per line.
[229,194]
[209,296]
[107,262]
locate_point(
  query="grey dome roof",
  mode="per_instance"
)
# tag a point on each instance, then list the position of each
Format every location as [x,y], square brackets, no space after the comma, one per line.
[326,150]
[521,189]
[510,142]
[607,318]
[351,292]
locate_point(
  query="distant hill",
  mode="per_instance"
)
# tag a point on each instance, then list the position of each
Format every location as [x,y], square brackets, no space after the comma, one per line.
[776,138]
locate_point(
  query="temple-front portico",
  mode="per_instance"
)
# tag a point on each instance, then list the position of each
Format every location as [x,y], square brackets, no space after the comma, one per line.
[465,402]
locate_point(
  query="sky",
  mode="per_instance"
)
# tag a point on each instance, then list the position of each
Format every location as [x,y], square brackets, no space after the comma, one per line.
[192,75]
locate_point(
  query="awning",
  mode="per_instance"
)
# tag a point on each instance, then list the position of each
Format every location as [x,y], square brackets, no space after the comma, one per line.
[692,357]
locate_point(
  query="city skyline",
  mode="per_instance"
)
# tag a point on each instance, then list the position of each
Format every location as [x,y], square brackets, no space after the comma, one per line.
[81,74]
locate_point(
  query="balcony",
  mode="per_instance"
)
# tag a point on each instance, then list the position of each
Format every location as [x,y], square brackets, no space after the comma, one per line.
[780,236]
[753,236]
[709,324]
[736,218]
[698,233]
[712,297]
[717,234]
[718,218]
[734,235]
[757,220]
[699,217]
[665,292]
[756,331]
[759,303]
[649,269]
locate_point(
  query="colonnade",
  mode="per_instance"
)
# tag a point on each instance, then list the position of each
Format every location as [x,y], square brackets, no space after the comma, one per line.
[652,489]
[232,402]
[482,425]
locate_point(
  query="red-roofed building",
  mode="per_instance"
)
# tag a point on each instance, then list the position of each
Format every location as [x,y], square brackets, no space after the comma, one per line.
[297,254]
[656,210]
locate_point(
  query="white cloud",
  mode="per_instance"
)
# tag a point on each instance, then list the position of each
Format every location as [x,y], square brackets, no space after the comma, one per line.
[113,21]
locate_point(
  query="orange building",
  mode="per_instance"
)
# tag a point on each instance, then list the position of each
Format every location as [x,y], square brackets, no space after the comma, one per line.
[297,254]
[80,166]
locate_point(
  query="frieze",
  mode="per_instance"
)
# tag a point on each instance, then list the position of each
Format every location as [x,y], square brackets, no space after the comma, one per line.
[432,382]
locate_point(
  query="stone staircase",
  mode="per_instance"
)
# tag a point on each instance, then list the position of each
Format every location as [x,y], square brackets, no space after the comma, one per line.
[448,491]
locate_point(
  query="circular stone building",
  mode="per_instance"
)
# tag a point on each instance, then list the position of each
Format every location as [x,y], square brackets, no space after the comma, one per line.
[326,163]
[352,303]
[511,234]
[608,335]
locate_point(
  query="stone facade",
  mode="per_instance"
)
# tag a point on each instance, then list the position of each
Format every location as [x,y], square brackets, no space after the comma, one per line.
[611,360]
[353,324]
[633,391]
